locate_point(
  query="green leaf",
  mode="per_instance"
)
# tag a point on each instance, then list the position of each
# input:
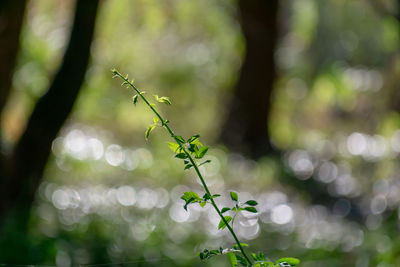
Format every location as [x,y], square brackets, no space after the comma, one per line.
[291,261]
[204,162]
[225,210]
[206,196]
[196,142]
[216,195]
[148,131]
[251,203]
[135,99]
[201,152]
[193,148]
[163,99]
[174,147]
[234,196]
[179,139]
[194,137]
[189,195]
[115,71]
[206,254]
[261,256]
[255,256]
[181,156]
[222,224]
[241,260]
[242,244]
[232,259]
[188,166]
[251,209]
[155,119]
[202,204]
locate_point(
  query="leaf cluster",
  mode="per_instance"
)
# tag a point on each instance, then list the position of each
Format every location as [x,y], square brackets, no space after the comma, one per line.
[191,147]
[249,206]
[192,197]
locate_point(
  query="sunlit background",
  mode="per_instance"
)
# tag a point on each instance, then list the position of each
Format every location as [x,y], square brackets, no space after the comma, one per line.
[108,196]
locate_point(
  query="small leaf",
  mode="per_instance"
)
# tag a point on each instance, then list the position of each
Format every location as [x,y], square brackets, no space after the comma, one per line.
[189,197]
[222,224]
[255,256]
[155,119]
[251,203]
[261,256]
[291,261]
[188,166]
[181,156]
[163,99]
[216,195]
[196,142]
[206,196]
[202,255]
[115,71]
[234,196]
[202,204]
[251,209]
[194,137]
[225,210]
[241,260]
[201,152]
[174,147]
[193,148]
[148,131]
[135,99]
[204,162]
[242,244]
[232,259]
[179,139]
[189,194]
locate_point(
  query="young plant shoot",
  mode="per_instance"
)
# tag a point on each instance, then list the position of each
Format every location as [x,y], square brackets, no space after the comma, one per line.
[191,151]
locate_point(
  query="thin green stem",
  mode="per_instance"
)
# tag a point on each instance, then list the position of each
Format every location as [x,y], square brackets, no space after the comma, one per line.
[192,161]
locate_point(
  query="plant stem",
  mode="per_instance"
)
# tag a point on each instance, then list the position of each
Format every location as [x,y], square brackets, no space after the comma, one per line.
[192,161]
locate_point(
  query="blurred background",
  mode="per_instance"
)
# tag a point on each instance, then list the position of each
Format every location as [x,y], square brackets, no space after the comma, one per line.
[299,100]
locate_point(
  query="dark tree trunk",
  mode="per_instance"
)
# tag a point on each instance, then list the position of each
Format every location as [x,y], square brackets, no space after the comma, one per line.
[246,127]
[11,17]
[25,166]
[394,97]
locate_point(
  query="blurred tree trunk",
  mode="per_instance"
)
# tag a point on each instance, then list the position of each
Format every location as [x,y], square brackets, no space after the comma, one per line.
[25,166]
[246,126]
[11,17]
[394,97]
